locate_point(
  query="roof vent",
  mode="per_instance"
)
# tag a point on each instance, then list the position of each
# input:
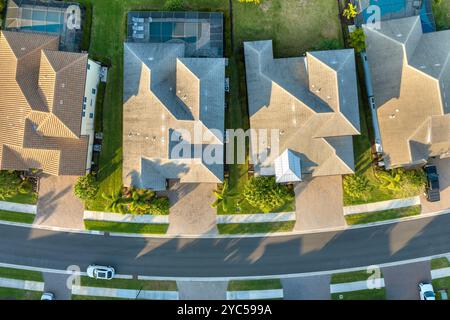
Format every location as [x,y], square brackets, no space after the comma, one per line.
[63,85]
[399,35]
[61,102]
[392,116]
[150,59]
[23,49]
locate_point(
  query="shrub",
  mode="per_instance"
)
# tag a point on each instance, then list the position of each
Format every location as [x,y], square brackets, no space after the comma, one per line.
[174,5]
[358,40]
[2,5]
[25,187]
[160,206]
[250,1]
[328,44]
[356,186]
[265,194]
[86,187]
[9,184]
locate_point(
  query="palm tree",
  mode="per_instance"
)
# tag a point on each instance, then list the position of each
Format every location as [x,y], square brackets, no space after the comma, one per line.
[114,202]
[223,194]
[391,180]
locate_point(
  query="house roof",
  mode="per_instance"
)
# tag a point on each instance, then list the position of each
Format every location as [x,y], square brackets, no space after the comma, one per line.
[167,98]
[411,80]
[308,99]
[288,167]
[42,93]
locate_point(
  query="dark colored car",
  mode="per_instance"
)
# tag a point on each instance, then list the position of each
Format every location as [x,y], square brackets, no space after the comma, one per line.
[433,193]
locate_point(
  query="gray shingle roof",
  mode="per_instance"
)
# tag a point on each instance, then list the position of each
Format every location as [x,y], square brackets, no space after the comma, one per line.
[411,81]
[164,92]
[309,99]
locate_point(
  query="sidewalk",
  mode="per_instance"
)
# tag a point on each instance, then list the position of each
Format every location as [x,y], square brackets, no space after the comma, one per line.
[21,284]
[18,207]
[382,205]
[255,294]
[352,286]
[252,218]
[131,218]
[124,293]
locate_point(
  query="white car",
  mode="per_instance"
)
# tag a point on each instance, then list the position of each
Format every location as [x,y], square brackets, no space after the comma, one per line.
[48,296]
[426,291]
[100,272]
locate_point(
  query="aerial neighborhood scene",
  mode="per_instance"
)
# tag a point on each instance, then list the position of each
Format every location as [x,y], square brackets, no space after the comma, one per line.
[224,150]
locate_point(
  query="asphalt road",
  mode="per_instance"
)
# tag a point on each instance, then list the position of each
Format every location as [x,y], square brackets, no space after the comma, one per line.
[183,257]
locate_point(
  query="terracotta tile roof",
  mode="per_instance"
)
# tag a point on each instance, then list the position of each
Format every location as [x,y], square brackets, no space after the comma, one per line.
[42,93]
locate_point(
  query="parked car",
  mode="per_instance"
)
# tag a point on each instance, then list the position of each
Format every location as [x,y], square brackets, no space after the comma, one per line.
[100,272]
[432,189]
[48,296]
[426,291]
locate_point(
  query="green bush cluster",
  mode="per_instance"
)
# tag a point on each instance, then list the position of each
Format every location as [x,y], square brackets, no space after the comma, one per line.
[12,184]
[2,5]
[356,186]
[136,201]
[174,5]
[404,181]
[86,187]
[264,193]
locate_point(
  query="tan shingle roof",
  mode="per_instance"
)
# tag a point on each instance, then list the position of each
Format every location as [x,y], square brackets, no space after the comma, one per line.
[42,93]
[411,80]
[308,99]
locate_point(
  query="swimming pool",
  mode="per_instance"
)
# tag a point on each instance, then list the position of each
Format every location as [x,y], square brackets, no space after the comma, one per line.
[49,28]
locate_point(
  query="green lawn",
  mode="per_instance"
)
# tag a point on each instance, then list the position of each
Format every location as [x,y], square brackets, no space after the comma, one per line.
[125,227]
[268,227]
[21,274]
[158,285]
[442,14]
[17,294]
[263,284]
[29,198]
[440,263]
[369,294]
[353,276]
[16,216]
[441,284]
[390,214]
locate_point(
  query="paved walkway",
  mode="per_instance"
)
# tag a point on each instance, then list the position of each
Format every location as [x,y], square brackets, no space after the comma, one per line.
[57,205]
[202,290]
[443,168]
[132,218]
[307,288]
[319,203]
[402,281]
[251,218]
[190,209]
[18,207]
[124,293]
[255,294]
[57,284]
[440,273]
[21,284]
[382,205]
[353,286]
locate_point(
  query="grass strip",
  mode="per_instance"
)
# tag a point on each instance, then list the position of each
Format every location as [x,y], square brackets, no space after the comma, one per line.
[20,274]
[440,263]
[360,275]
[369,294]
[18,294]
[125,227]
[266,227]
[263,284]
[17,216]
[132,284]
[362,218]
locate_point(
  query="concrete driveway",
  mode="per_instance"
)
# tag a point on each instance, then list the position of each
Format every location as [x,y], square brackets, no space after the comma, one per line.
[190,210]
[57,205]
[443,168]
[319,203]
[202,290]
[57,284]
[307,288]
[402,281]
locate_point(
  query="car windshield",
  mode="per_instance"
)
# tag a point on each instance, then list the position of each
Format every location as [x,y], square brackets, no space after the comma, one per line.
[109,274]
[101,274]
[429,294]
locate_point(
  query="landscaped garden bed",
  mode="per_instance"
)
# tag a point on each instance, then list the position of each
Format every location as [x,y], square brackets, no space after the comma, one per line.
[17,187]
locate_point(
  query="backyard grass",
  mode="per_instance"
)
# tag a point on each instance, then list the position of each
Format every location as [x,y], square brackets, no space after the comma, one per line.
[17,294]
[390,214]
[360,275]
[16,216]
[369,294]
[441,284]
[439,263]
[153,285]
[441,12]
[125,227]
[21,274]
[267,227]
[263,284]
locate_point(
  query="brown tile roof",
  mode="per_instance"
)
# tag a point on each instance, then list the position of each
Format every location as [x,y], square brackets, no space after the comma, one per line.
[42,92]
